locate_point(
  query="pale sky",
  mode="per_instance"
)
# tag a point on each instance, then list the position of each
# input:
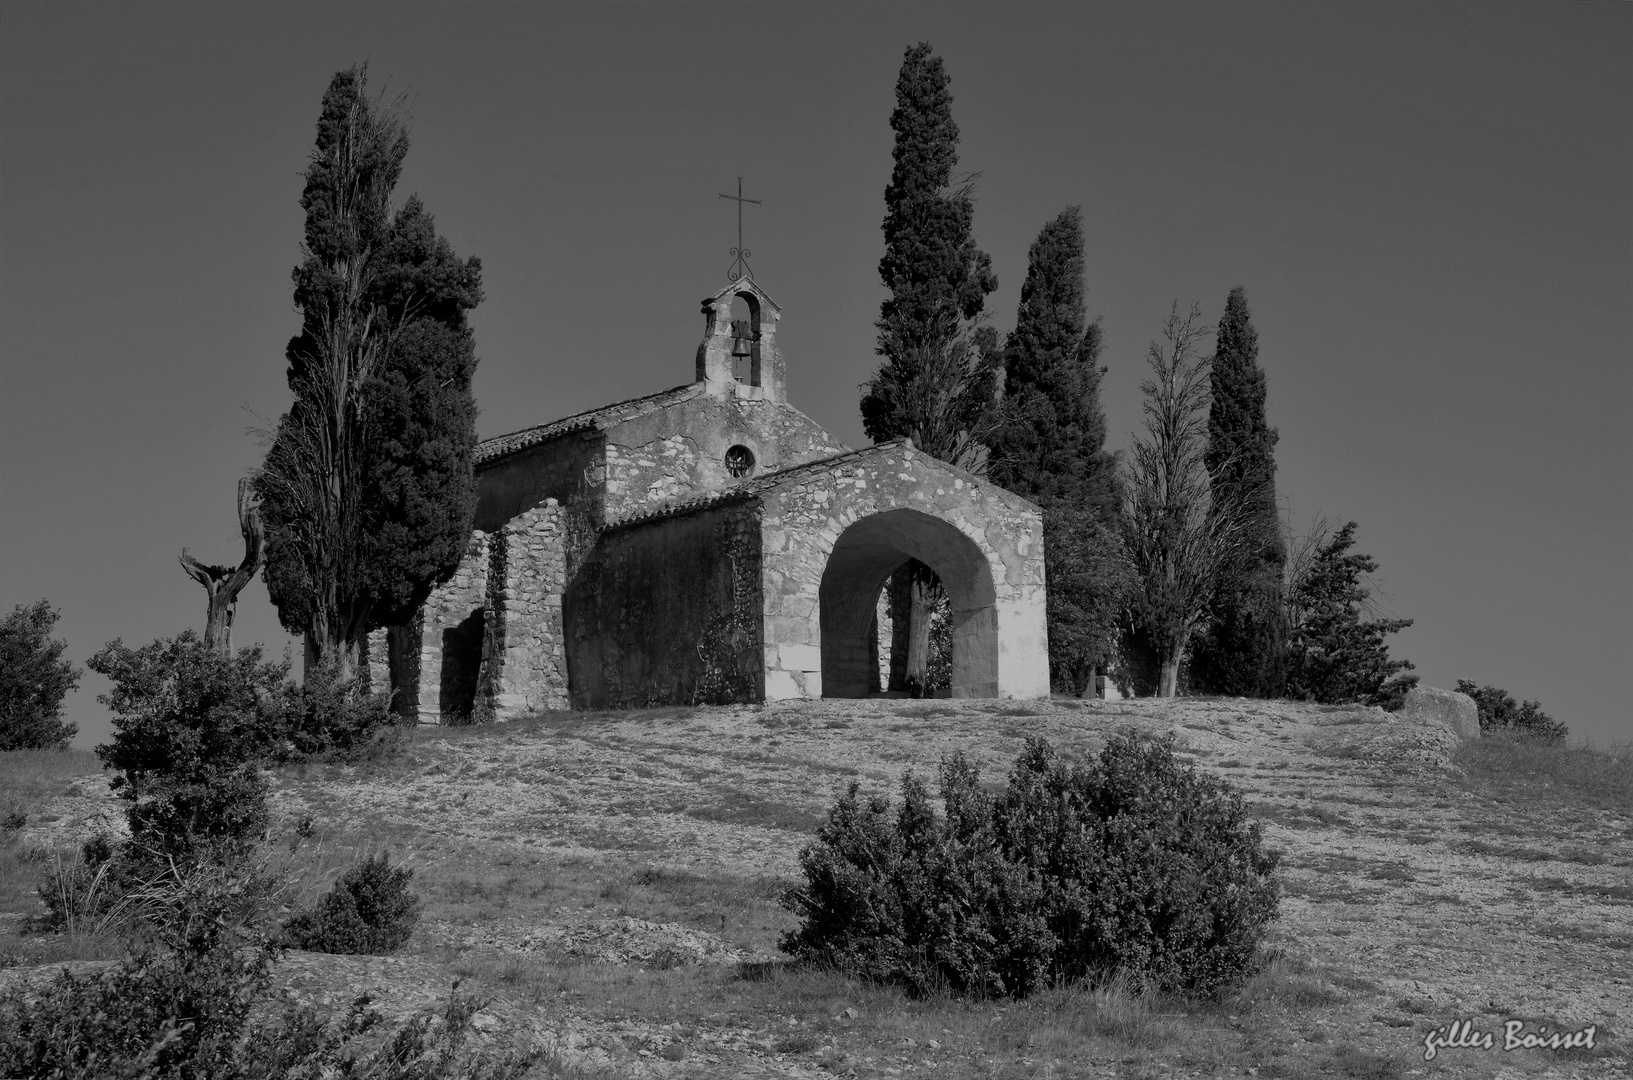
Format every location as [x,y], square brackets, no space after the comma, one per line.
[1429,205]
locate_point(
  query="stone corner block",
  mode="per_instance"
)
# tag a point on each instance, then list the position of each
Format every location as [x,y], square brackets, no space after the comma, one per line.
[780,685]
[1445,708]
[800,657]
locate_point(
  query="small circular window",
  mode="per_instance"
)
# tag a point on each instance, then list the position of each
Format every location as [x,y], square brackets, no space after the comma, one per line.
[739,461]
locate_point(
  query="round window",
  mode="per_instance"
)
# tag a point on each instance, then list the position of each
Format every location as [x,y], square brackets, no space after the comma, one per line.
[739,460]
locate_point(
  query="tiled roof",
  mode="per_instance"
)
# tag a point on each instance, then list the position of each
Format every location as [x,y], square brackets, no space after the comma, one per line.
[754,486]
[490,449]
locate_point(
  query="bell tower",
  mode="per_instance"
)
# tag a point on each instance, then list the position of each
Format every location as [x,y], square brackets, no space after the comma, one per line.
[739,356]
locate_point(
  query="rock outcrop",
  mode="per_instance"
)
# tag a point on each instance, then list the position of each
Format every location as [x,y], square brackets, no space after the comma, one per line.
[1446,708]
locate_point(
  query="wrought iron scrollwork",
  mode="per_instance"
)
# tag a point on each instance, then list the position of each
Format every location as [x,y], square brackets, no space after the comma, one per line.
[740,254]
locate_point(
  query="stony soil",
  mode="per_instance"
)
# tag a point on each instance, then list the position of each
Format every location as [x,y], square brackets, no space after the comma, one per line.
[1419,901]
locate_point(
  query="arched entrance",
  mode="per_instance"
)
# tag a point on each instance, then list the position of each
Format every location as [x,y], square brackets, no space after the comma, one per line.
[863,557]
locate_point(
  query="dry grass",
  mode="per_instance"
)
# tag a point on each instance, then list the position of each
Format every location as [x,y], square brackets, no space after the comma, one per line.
[690,818]
[29,779]
[1516,769]
[741,808]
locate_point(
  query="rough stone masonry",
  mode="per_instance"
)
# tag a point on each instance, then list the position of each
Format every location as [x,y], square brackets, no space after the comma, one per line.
[711,543]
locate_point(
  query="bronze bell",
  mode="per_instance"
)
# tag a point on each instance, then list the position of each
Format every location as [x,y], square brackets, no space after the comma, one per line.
[742,334]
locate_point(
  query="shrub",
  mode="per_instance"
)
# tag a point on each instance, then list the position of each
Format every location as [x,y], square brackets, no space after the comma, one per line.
[370,910]
[334,720]
[182,1008]
[1500,712]
[165,1015]
[34,680]
[174,1009]
[1132,866]
[191,729]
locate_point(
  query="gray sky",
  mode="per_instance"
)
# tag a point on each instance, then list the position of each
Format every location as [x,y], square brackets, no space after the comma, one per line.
[1428,205]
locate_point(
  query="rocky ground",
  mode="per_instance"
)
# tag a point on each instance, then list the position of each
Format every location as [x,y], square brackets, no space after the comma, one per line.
[609,882]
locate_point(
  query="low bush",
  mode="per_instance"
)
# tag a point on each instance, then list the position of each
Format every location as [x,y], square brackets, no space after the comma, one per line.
[182,1007]
[191,731]
[334,720]
[1500,712]
[1133,866]
[369,910]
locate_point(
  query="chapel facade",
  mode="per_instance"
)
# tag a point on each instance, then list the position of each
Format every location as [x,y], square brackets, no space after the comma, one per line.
[710,544]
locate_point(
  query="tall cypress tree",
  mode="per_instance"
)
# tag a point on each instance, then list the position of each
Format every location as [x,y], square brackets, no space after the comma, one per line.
[939,373]
[1243,651]
[1050,448]
[367,491]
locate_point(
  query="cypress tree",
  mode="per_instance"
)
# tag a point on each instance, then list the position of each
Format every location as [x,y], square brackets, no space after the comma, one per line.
[367,492]
[931,264]
[938,377]
[1050,448]
[1243,651]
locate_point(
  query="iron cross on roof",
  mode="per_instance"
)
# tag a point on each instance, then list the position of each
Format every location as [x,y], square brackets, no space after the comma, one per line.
[740,268]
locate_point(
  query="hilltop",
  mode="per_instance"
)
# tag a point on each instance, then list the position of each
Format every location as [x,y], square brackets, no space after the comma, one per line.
[610,881]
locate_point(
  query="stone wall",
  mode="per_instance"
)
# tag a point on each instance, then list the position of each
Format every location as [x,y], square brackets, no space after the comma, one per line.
[569,469]
[525,669]
[376,662]
[441,657]
[392,663]
[677,452]
[667,611]
[833,535]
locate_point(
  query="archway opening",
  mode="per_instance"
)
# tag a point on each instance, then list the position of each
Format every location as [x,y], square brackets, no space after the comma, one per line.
[862,560]
[745,339]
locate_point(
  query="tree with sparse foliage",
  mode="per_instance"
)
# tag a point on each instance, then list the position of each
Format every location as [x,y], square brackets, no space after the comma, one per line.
[34,680]
[1500,712]
[1180,540]
[1242,650]
[938,378]
[1049,447]
[368,492]
[1336,649]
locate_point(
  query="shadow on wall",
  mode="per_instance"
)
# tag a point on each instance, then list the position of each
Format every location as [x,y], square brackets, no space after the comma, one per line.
[461,664]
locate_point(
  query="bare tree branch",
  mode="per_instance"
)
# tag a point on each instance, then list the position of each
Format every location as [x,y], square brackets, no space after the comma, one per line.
[222,584]
[1180,540]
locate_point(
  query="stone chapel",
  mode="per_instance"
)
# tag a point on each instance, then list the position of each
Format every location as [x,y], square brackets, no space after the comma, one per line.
[711,544]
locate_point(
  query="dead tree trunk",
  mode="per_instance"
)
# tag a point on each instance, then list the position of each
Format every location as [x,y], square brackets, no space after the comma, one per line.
[224,583]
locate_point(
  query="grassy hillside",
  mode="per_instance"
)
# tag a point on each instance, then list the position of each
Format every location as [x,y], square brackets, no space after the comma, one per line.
[611,881]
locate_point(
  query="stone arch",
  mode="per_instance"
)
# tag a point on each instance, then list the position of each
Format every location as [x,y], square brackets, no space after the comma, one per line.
[863,557]
[746,338]
[725,344]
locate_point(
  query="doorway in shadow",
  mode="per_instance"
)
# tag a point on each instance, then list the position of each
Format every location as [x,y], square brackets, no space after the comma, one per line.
[461,665]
